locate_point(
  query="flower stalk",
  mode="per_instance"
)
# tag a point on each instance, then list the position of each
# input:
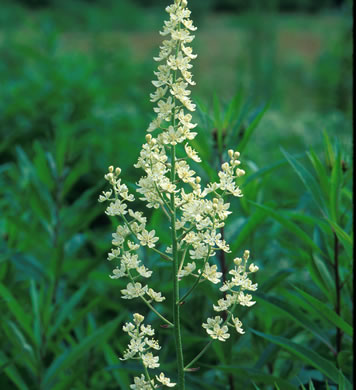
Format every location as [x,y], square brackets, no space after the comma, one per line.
[195,214]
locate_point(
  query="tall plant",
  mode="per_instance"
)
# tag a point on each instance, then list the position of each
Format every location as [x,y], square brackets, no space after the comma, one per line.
[195,214]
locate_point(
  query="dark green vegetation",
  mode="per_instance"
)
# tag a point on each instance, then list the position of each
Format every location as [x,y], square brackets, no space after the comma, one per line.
[75,80]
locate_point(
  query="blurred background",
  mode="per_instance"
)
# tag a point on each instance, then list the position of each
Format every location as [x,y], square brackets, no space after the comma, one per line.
[274,80]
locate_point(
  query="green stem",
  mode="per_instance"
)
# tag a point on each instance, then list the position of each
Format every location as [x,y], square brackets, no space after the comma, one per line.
[176,307]
[148,376]
[201,353]
[157,312]
[150,306]
[196,282]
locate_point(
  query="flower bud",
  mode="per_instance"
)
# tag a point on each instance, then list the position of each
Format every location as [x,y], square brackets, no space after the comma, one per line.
[238,260]
[117,171]
[197,179]
[253,268]
[230,153]
[148,138]
[111,169]
[225,166]
[138,318]
[239,172]
[246,254]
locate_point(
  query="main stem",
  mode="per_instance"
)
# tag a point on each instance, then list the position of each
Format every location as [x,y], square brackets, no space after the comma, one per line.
[176,306]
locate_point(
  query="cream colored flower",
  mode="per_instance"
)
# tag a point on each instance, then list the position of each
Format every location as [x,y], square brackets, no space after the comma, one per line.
[164,380]
[147,238]
[133,291]
[238,325]
[150,361]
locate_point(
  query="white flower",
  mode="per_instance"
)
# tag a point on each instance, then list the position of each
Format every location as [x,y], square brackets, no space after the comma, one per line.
[191,153]
[210,273]
[187,270]
[147,238]
[164,380]
[116,208]
[224,304]
[164,109]
[150,361]
[211,322]
[138,318]
[253,268]
[144,272]
[214,329]
[106,196]
[156,296]
[141,384]
[133,291]
[118,272]
[245,300]
[238,325]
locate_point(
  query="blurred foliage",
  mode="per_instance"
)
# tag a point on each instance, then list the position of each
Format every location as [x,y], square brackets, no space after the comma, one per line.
[74,99]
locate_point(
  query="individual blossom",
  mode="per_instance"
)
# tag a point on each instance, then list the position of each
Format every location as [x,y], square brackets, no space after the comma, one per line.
[147,238]
[210,273]
[187,270]
[133,291]
[164,380]
[216,331]
[238,325]
[156,296]
[150,361]
[245,300]
[140,383]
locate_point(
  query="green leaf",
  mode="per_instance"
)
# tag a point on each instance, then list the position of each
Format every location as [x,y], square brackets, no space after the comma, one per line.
[326,312]
[12,373]
[20,345]
[41,164]
[311,386]
[296,315]
[329,152]
[292,227]
[67,310]
[36,312]
[308,180]
[267,169]
[275,280]
[346,239]
[320,275]
[68,358]
[218,123]
[16,309]
[121,376]
[307,355]
[251,128]
[247,230]
[321,172]
[233,109]
[254,374]
[335,182]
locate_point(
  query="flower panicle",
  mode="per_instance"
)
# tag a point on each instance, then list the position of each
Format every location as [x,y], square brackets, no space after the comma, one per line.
[171,184]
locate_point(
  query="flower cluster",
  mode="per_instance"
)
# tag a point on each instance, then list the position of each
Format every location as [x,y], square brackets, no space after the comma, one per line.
[125,250]
[196,212]
[140,345]
[235,286]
